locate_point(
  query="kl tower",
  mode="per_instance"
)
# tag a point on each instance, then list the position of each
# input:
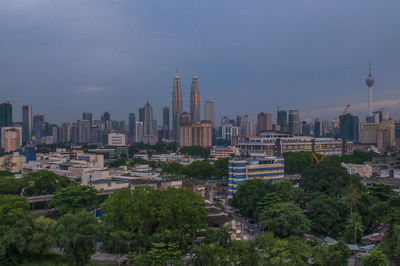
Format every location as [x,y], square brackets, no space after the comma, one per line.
[370,82]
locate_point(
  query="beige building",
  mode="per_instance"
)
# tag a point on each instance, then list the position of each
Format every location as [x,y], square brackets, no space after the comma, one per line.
[197,134]
[380,134]
[11,138]
[364,170]
[12,164]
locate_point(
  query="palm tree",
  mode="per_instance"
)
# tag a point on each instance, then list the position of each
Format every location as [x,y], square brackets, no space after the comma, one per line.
[352,198]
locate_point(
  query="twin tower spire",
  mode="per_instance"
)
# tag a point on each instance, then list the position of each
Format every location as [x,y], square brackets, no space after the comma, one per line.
[177,104]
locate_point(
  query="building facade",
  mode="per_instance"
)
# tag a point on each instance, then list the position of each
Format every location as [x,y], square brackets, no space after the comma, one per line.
[26,123]
[197,134]
[294,122]
[241,170]
[11,138]
[209,111]
[195,100]
[264,122]
[282,120]
[176,107]
[276,144]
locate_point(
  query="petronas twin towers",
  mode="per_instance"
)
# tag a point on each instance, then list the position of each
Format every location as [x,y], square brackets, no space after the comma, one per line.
[177,104]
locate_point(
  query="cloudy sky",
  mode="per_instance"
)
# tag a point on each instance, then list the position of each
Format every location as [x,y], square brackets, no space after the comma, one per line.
[73,56]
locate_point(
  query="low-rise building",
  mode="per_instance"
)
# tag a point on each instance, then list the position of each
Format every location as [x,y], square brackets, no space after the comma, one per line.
[222,152]
[364,170]
[240,170]
[276,144]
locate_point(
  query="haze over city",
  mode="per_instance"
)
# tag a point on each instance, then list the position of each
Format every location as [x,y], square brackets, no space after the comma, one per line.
[69,57]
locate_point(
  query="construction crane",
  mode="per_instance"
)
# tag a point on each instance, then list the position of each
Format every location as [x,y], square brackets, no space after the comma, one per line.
[314,156]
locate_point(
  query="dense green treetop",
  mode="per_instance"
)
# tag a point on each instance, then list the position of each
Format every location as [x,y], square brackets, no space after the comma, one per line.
[74,198]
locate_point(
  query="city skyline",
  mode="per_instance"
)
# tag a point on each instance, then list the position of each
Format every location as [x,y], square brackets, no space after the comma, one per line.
[93,64]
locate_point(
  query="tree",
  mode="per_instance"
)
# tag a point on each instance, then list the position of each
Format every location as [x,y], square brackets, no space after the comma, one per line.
[296,162]
[328,178]
[277,251]
[284,220]
[15,229]
[196,151]
[42,237]
[391,239]
[199,169]
[352,197]
[11,185]
[74,199]
[43,182]
[354,228]
[327,215]
[376,258]
[334,255]
[170,215]
[165,254]
[249,194]
[221,168]
[208,254]
[77,233]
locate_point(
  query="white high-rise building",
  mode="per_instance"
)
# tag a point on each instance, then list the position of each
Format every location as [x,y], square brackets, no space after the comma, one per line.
[209,111]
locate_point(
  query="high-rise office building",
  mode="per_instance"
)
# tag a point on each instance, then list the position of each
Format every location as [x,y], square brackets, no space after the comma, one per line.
[6,114]
[75,133]
[87,116]
[38,126]
[132,124]
[141,114]
[195,100]
[139,132]
[197,134]
[317,128]
[166,118]
[294,117]
[11,138]
[54,133]
[106,116]
[176,107]
[306,127]
[84,131]
[349,127]
[65,132]
[264,122]
[148,120]
[282,120]
[184,119]
[26,123]
[209,111]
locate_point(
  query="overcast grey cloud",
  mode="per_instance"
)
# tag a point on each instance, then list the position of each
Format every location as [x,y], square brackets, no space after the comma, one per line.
[69,57]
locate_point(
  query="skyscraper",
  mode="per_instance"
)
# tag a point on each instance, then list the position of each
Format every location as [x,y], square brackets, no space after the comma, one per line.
[106,116]
[84,131]
[349,127]
[370,82]
[26,123]
[209,111]
[282,120]
[148,120]
[65,132]
[264,122]
[294,118]
[132,124]
[318,128]
[176,107]
[87,116]
[166,118]
[38,126]
[5,114]
[195,100]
